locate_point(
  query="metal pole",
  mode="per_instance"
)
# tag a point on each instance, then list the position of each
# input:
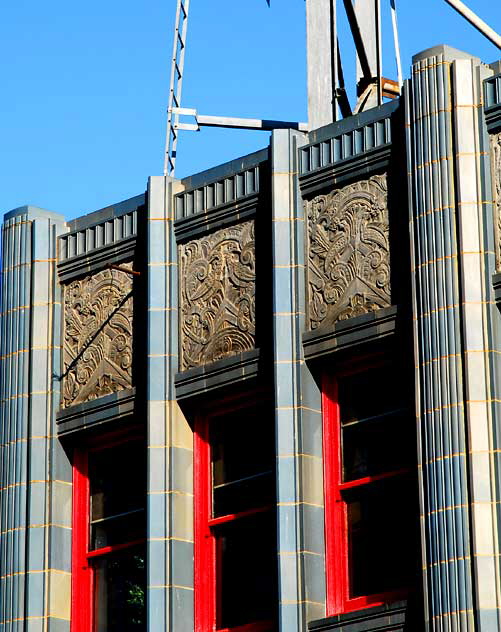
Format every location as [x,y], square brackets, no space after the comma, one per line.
[473,19]
[396,42]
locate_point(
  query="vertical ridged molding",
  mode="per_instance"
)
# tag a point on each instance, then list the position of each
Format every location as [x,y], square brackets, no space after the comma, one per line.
[450,256]
[441,419]
[476,266]
[35,477]
[170,439]
[298,418]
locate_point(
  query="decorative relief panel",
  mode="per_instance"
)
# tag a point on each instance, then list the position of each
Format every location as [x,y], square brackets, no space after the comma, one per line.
[496,162]
[97,352]
[217,288]
[348,259]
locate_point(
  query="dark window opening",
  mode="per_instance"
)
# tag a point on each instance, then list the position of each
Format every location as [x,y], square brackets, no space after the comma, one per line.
[236,525]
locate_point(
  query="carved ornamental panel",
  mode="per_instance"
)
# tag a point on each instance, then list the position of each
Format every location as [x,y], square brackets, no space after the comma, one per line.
[97,351]
[348,258]
[496,162]
[217,294]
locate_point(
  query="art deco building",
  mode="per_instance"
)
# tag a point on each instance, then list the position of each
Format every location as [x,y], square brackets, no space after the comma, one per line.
[266,397]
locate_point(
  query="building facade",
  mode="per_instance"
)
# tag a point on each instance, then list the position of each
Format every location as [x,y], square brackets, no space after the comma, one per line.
[266,397]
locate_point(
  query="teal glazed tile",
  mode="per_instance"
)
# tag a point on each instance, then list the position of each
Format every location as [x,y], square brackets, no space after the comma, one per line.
[287,528]
[37,625]
[288,566]
[283,299]
[157,287]
[313,529]
[288,616]
[282,232]
[157,330]
[61,469]
[286,479]
[182,610]
[37,495]
[285,437]
[57,625]
[36,548]
[284,381]
[60,548]
[157,606]
[285,351]
[157,562]
[157,243]
[40,231]
[182,563]
[157,516]
[314,570]
[38,459]
[157,387]
[40,370]
[35,594]
[281,150]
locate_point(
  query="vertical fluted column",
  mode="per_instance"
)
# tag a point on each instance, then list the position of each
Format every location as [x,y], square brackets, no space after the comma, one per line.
[450,294]
[31,458]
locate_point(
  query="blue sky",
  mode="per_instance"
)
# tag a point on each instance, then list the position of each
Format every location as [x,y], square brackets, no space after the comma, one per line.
[82,114]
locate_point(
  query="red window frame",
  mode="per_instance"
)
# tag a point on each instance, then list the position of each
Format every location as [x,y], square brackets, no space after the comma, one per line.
[206,559]
[336,520]
[82,581]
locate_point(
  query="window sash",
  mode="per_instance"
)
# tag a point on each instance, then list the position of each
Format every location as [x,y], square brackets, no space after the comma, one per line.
[207,528]
[339,599]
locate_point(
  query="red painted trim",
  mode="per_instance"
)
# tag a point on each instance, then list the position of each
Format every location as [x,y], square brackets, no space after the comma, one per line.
[360,482]
[81,589]
[379,599]
[214,522]
[336,531]
[335,509]
[260,626]
[205,553]
[106,550]
[207,569]
[82,581]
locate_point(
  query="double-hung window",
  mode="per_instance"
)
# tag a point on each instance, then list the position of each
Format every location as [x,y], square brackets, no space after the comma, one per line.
[370,498]
[109,529]
[235,521]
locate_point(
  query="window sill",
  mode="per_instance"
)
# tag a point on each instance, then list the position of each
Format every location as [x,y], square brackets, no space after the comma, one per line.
[378,619]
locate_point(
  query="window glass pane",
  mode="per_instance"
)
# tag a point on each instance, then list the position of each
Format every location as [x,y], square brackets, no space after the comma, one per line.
[371,393]
[379,445]
[119,581]
[243,460]
[118,530]
[381,537]
[117,478]
[246,554]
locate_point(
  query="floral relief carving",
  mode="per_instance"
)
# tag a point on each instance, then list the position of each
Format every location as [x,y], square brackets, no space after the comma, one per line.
[496,162]
[97,351]
[217,294]
[348,259]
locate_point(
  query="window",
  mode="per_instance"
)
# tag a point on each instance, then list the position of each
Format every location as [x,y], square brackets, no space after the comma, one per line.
[235,521]
[109,528]
[369,456]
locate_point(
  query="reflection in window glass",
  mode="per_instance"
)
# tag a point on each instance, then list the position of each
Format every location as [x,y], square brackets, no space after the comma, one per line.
[120,581]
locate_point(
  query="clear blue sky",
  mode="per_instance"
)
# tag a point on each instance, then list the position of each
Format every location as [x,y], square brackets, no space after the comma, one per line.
[82,114]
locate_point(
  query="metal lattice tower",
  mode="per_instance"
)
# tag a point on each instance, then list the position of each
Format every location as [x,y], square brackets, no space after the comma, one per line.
[327,96]
[176,85]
